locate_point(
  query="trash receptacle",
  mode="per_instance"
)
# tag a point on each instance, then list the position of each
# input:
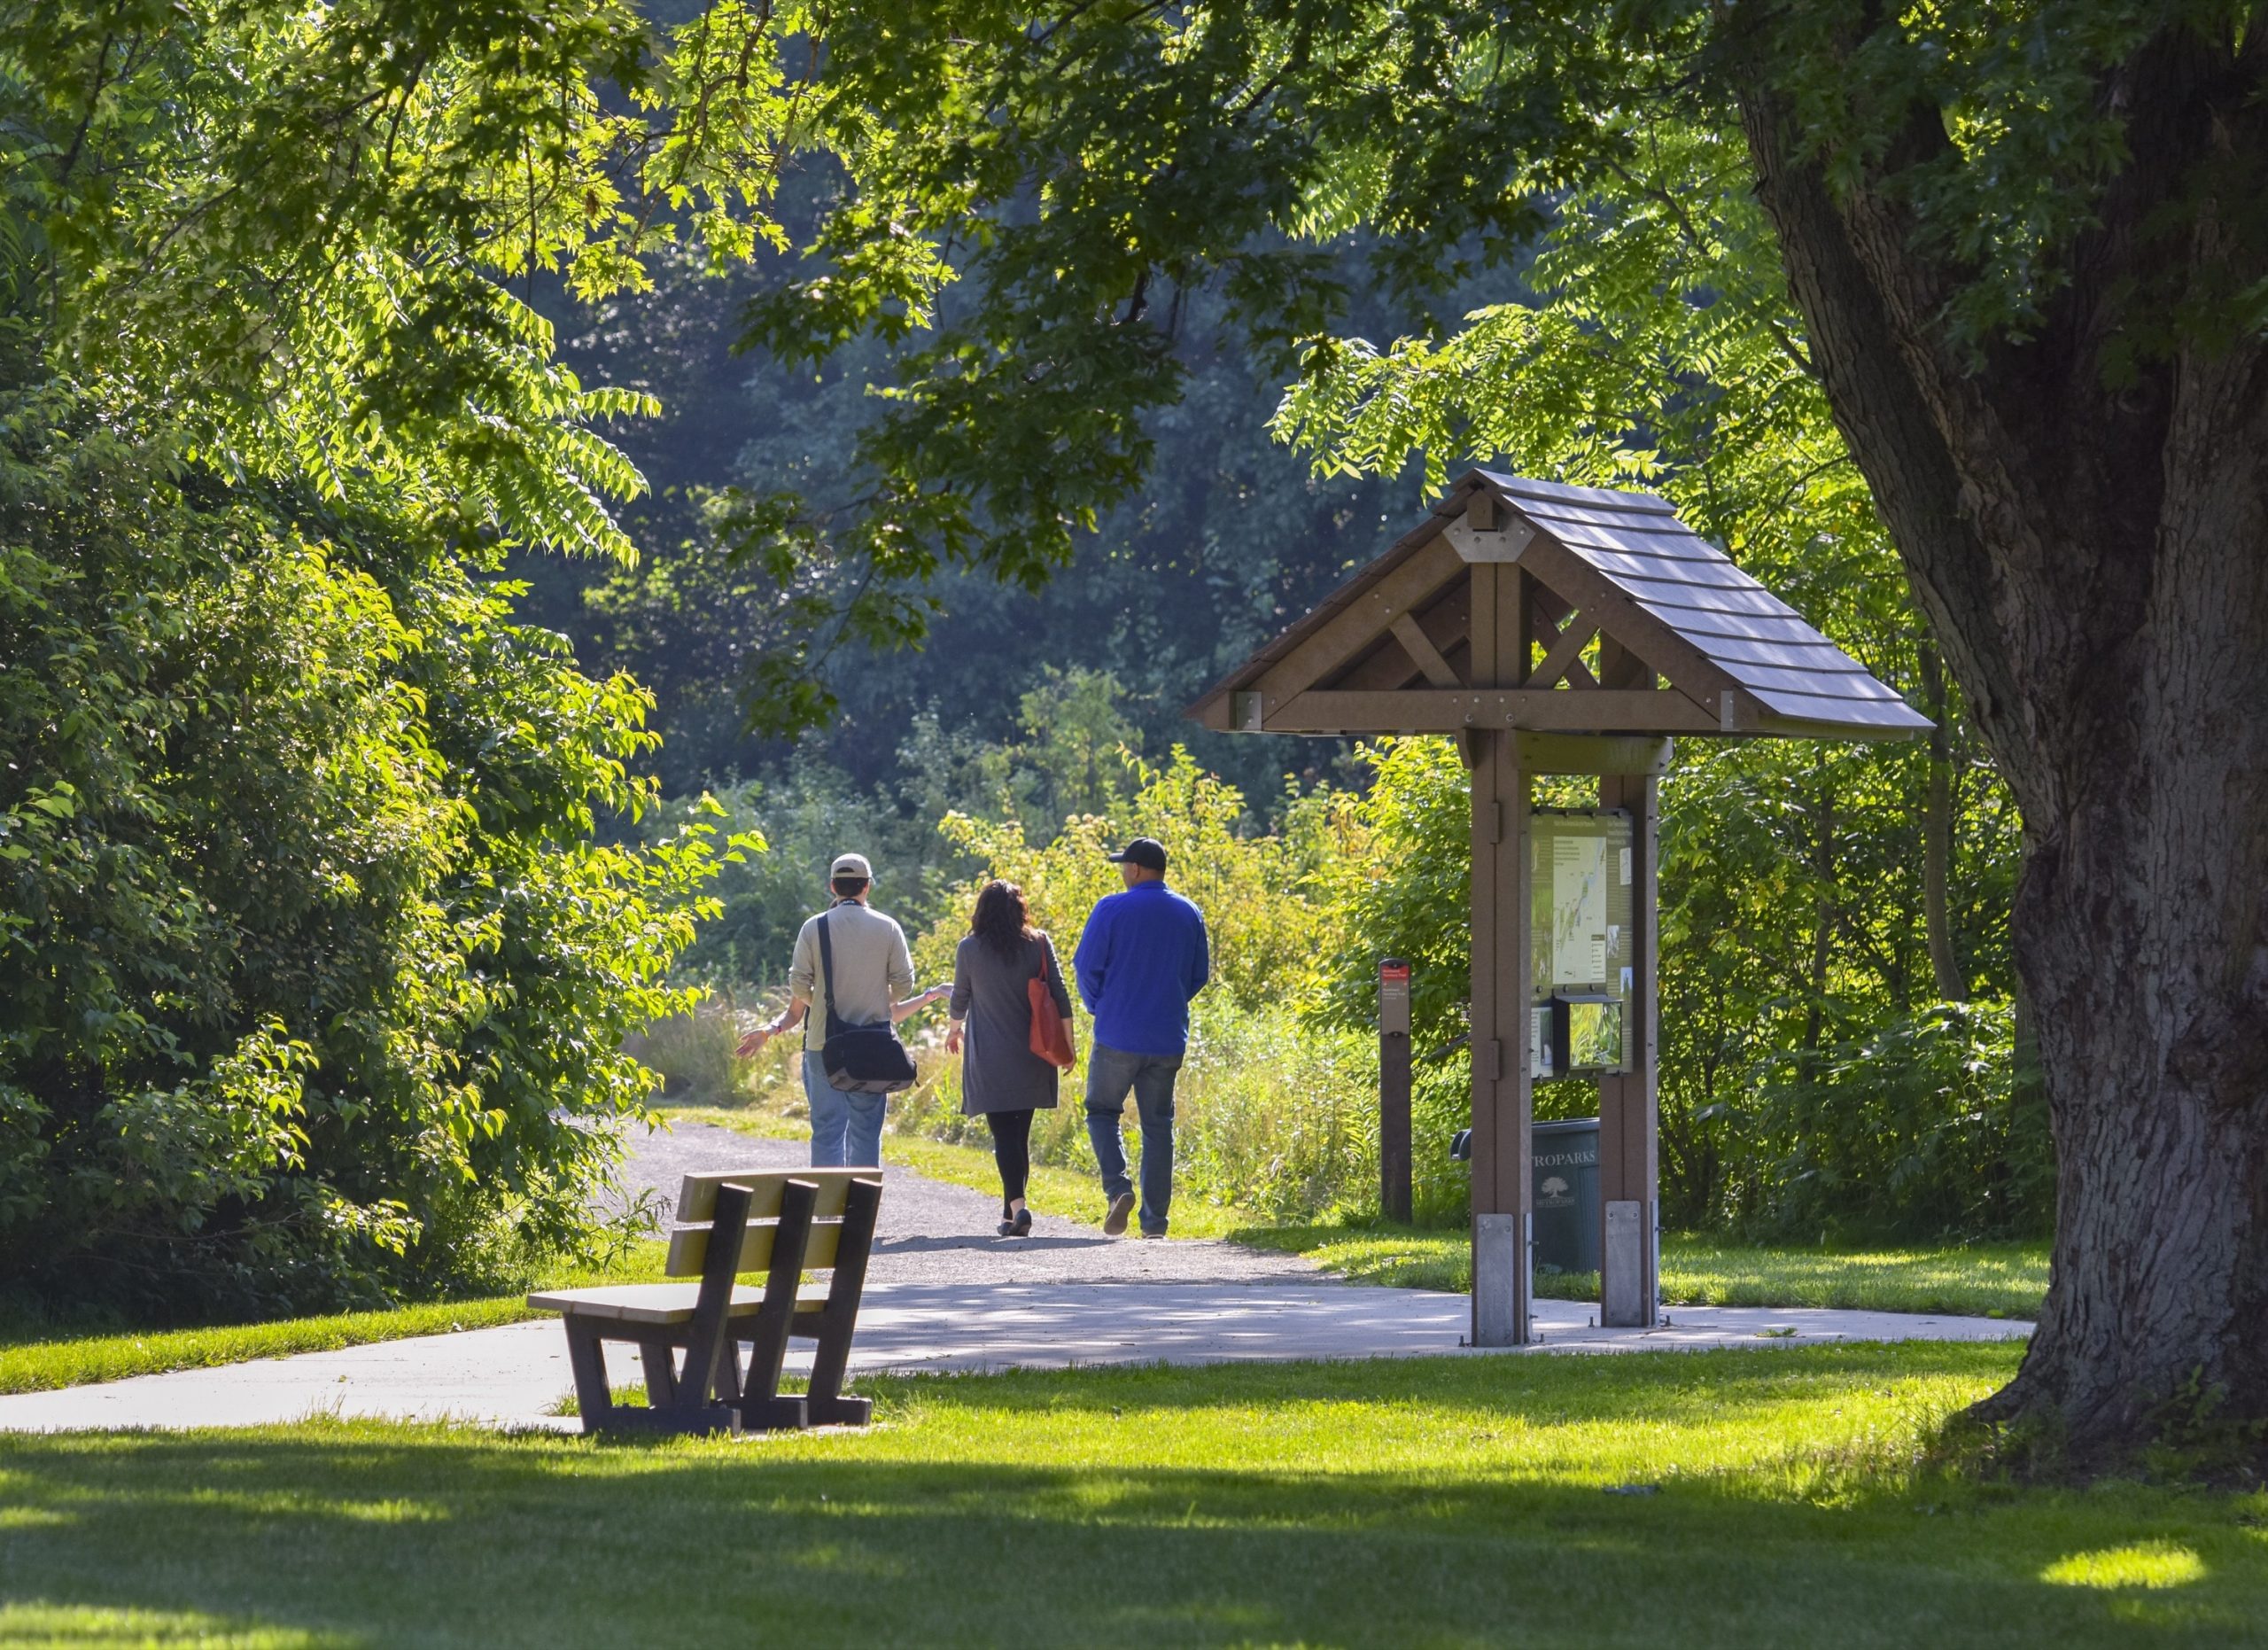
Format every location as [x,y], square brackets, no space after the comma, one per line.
[1564,1159]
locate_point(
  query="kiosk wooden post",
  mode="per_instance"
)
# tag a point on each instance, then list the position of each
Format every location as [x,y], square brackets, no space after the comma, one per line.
[1477,624]
[1503,1225]
[1503,1233]
[1629,1170]
[1629,1118]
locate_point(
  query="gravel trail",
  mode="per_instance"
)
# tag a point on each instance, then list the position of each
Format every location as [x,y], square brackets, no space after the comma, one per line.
[932,1231]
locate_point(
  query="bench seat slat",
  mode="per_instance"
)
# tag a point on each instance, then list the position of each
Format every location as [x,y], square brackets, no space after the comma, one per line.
[662,1304]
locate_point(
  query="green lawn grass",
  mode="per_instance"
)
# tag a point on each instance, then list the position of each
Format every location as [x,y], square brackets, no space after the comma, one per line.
[1689,1499]
[1981,1280]
[34,1357]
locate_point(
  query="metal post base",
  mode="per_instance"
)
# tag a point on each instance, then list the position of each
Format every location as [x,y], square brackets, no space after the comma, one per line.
[1499,1281]
[1625,1300]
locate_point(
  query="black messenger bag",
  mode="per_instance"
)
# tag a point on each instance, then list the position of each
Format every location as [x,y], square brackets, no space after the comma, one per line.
[859,1059]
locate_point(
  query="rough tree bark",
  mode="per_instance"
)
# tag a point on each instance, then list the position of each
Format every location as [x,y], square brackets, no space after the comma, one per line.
[2093,557]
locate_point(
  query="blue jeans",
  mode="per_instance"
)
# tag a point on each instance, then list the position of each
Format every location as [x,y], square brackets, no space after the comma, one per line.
[1110,1073]
[846,1129]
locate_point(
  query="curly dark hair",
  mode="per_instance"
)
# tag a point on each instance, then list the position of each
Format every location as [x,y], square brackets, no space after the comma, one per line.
[1001,921]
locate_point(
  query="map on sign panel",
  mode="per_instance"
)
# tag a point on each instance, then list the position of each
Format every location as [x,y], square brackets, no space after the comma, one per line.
[1578,908]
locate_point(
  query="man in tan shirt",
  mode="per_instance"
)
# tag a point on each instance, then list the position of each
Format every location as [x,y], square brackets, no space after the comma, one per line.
[874,971]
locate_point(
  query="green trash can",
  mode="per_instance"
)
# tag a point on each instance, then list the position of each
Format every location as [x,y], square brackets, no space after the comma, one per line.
[1564,1157]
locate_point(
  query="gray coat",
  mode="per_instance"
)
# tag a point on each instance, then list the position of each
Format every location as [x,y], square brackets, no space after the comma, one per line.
[999,1071]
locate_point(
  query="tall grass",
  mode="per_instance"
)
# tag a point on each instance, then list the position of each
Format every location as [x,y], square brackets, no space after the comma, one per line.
[1270,1115]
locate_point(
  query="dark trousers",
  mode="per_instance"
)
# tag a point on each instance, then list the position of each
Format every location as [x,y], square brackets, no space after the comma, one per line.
[1111,1072]
[1012,1150]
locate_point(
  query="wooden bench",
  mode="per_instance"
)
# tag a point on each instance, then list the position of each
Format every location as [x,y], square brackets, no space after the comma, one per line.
[776,1222]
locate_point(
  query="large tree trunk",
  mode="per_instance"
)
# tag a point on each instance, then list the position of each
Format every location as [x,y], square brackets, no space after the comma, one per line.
[2093,561]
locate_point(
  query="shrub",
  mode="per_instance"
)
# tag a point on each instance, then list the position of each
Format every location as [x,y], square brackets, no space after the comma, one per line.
[1266,931]
[693,1055]
[314,981]
[1915,1130]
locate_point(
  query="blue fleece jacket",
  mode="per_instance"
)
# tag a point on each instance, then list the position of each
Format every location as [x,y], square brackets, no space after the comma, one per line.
[1144,955]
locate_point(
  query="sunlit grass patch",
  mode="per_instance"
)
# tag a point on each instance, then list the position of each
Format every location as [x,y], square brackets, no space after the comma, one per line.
[2143,1564]
[1973,1279]
[38,1362]
[1982,1280]
[763,1123]
[43,1626]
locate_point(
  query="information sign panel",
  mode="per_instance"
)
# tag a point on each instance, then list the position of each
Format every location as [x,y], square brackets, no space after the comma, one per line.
[1394,996]
[1582,934]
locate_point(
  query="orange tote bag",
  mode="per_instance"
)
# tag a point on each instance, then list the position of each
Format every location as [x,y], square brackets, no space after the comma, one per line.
[1050,1032]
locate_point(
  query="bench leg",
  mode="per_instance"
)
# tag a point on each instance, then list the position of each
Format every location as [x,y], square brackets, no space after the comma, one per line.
[661,1373]
[669,1413]
[762,1407]
[838,1319]
[594,1398]
[709,1382]
[781,1411]
[828,1407]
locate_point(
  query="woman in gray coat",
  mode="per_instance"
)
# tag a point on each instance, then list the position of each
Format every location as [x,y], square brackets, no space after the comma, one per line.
[1001,1079]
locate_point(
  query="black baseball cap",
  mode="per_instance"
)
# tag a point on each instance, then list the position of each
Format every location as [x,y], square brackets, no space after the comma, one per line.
[1143,850]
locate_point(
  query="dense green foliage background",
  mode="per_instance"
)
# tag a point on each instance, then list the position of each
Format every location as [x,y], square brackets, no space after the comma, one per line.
[349,828]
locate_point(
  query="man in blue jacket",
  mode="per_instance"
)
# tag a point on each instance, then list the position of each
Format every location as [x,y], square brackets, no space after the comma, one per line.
[1142,958]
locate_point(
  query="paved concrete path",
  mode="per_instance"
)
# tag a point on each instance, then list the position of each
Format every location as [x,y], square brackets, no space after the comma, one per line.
[518,1376]
[945,1294]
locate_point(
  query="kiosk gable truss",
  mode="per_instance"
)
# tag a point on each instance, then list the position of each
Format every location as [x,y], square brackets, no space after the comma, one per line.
[1687,642]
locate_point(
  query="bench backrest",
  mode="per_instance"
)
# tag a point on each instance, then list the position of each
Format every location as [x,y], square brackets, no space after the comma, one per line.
[697,1207]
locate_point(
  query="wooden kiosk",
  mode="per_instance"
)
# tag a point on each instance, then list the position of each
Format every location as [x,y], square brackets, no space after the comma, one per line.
[1477,623]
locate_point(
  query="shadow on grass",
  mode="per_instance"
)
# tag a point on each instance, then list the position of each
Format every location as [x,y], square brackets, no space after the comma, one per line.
[1106,1508]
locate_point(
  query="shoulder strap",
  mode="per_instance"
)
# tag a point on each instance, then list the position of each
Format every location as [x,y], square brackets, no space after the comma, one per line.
[1049,963]
[826,970]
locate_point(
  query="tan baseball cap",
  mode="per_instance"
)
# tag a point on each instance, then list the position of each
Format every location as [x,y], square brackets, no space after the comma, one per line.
[852,865]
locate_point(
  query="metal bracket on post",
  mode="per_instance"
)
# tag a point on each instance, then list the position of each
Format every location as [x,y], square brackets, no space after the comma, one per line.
[1527,1280]
[1654,1261]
